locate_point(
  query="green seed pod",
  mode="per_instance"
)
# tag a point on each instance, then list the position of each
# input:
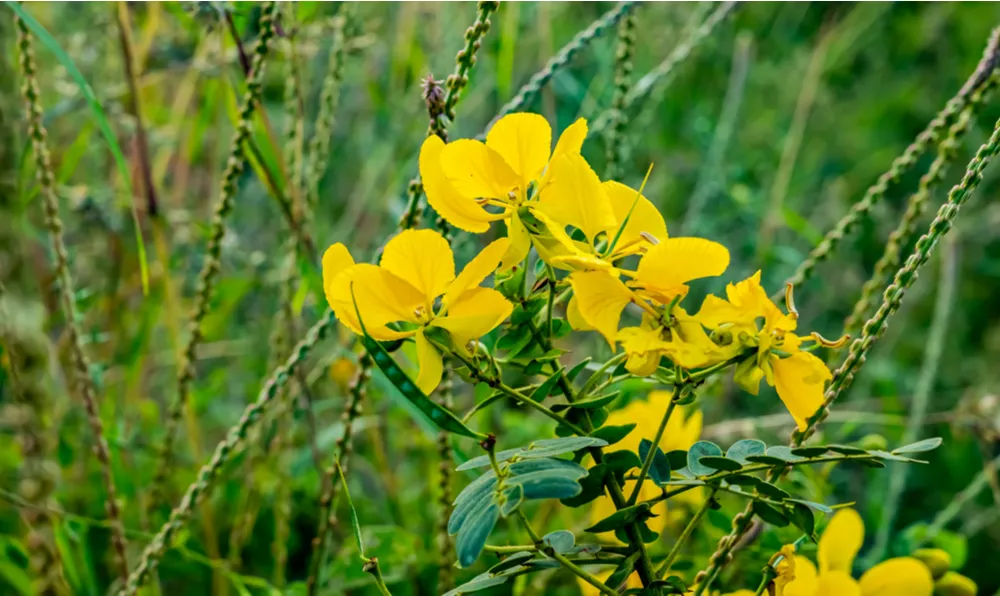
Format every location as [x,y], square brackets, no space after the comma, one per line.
[955,584]
[937,560]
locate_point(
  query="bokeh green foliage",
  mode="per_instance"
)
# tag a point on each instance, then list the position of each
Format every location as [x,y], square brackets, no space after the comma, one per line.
[885,70]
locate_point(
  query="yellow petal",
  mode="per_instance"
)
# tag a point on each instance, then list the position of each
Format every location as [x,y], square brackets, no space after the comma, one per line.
[841,541]
[475,171]
[601,298]
[715,311]
[903,576]
[666,267]
[422,258]
[336,260]
[381,298]
[574,197]
[748,294]
[644,346]
[520,243]
[430,362]
[570,142]
[800,379]
[524,140]
[556,248]
[576,320]
[645,217]
[477,270]
[836,583]
[748,375]
[474,314]
[804,583]
[459,211]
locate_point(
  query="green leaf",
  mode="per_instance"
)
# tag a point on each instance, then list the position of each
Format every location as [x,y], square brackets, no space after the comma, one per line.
[783,453]
[545,389]
[576,370]
[809,452]
[720,463]
[872,463]
[622,572]
[741,480]
[481,490]
[773,491]
[591,487]
[741,449]
[768,460]
[769,514]
[620,518]
[482,461]
[620,462]
[671,585]
[530,466]
[659,470]
[920,446]
[514,340]
[803,519]
[813,505]
[510,562]
[613,434]
[846,450]
[696,452]
[596,402]
[893,457]
[550,447]
[480,582]
[512,498]
[560,541]
[355,524]
[678,459]
[476,529]
[102,123]
[548,485]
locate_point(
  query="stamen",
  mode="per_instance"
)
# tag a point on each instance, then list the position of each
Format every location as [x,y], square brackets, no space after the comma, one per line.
[830,344]
[790,302]
[420,311]
[650,238]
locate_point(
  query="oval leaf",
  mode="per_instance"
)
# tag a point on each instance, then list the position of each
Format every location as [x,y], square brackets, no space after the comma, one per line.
[769,514]
[741,449]
[476,529]
[720,463]
[659,470]
[561,541]
[699,450]
[920,446]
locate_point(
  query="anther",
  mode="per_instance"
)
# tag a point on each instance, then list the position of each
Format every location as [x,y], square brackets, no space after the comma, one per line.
[650,238]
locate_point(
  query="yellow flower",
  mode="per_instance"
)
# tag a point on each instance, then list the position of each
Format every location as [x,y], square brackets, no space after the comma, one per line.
[471,183]
[797,375]
[840,542]
[685,343]
[681,432]
[417,269]
[662,274]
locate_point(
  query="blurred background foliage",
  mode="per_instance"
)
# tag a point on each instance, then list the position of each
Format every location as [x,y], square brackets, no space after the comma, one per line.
[761,139]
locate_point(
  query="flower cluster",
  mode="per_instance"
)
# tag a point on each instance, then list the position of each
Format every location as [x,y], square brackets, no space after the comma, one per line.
[611,245]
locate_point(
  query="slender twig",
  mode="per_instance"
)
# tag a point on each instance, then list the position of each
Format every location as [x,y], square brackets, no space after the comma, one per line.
[654,448]
[936,338]
[327,516]
[135,106]
[212,264]
[902,163]
[903,234]
[223,451]
[85,385]
[675,550]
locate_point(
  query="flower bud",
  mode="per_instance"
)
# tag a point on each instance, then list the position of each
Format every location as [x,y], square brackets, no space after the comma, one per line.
[872,442]
[937,560]
[955,584]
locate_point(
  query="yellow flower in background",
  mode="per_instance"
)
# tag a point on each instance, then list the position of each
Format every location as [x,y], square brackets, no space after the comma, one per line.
[471,183]
[839,544]
[417,268]
[681,432]
[662,274]
[798,376]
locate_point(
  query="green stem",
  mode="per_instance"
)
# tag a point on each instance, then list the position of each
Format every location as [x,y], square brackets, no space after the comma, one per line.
[648,461]
[372,568]
[579,572]
[769,575]
[685,535]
